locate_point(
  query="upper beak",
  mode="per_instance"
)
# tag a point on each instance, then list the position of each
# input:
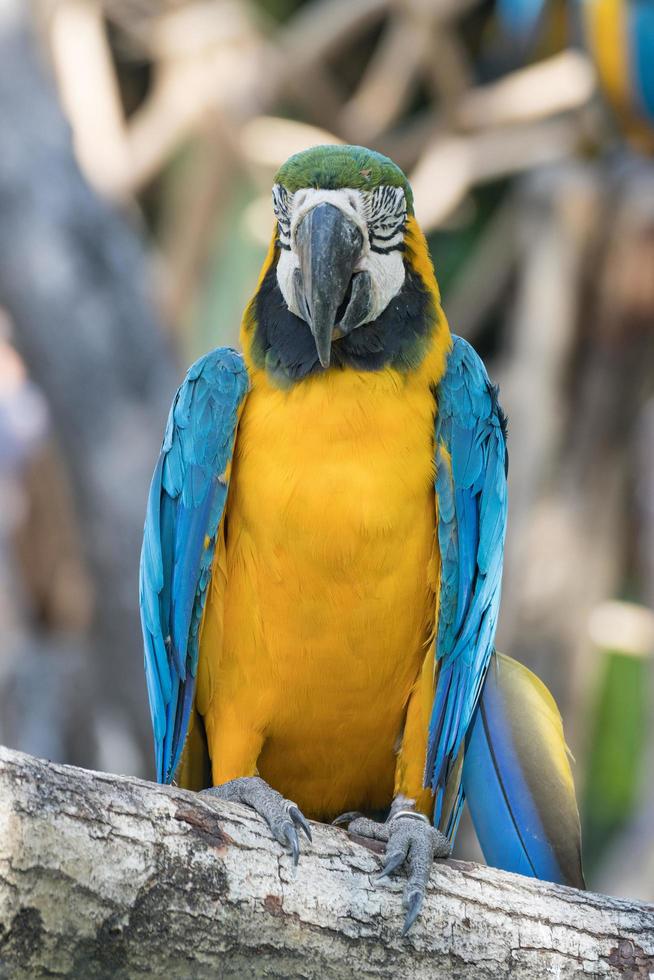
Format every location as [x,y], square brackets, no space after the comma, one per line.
[328,245]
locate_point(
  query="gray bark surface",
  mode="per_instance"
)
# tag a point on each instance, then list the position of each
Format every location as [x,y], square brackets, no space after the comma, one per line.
[108,876]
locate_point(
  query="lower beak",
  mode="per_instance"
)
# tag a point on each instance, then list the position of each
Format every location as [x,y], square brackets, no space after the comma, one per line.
[328,245]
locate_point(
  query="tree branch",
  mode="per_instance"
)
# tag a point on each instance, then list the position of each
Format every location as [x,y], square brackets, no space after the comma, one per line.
[105,876]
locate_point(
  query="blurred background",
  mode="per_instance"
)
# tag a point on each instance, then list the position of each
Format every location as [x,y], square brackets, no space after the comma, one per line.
[138,140]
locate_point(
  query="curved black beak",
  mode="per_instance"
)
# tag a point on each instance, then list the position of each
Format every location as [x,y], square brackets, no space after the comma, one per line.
[328,245]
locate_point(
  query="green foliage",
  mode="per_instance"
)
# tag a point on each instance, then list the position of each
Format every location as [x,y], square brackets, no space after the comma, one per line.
[451,248]
[280,10]
[232,270]
[617,743]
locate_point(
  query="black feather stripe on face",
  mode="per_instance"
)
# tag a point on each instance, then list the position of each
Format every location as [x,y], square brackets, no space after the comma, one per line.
[281,207]
[386,216]
[384,209]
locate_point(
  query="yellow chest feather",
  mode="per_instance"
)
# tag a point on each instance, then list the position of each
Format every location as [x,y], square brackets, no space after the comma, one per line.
[328,592]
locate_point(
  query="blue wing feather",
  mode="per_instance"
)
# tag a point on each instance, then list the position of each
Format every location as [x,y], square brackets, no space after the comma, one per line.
[185,506]
[517,778]
[520,17]
[641,43]
[471,494]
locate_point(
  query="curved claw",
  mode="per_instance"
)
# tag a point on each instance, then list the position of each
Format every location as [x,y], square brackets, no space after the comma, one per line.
[393,861]
[298,818]
[413,904]
[290,833]
[415,842]
[346,818]
[281,815]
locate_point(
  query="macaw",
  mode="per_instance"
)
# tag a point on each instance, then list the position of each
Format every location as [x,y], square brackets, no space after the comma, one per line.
[322,557]
[619,36]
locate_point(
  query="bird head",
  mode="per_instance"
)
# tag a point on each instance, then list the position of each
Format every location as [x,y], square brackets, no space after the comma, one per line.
[341,216]
[348,279]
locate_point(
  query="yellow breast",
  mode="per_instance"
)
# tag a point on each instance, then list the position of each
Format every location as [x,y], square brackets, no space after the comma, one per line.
[329,584]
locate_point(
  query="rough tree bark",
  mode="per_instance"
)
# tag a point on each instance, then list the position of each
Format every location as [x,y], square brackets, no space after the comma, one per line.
[107,876]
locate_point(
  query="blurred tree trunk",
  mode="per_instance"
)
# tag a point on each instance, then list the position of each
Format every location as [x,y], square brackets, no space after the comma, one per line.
[74,280]
[578,366]
[555,226]
[629,865]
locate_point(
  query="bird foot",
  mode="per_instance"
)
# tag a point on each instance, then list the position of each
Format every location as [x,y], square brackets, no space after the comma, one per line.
[412,841]
[282,816]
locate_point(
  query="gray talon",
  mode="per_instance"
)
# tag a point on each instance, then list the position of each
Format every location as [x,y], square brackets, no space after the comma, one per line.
[299,818]
[346,818]
[413,903]
[281,815]
[411,841]
[392,863]
[290,833]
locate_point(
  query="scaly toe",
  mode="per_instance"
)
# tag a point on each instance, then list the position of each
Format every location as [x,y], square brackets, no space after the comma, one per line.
[413,841]
[280,814]
[365,827]
[442,846]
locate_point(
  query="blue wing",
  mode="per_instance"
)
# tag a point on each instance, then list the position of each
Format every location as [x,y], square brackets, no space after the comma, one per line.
[520,17]
[471,467]
[641,31]
[185,506]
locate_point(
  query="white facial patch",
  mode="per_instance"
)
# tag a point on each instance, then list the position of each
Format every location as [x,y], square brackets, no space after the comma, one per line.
[380,216]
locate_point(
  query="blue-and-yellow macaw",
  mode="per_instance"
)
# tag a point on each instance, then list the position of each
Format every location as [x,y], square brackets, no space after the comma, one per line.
[321,566]
[619,36]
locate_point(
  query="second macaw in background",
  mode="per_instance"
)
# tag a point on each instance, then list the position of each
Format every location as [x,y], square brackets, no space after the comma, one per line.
[619,36]
[321,566]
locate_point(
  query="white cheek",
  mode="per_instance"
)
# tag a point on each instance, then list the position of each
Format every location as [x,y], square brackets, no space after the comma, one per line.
[386,275]
[350,202]
[286,265]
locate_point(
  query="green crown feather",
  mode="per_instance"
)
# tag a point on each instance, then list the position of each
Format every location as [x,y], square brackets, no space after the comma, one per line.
[334,166]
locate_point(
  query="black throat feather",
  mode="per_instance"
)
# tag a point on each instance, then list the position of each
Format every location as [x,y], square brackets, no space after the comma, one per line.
[282,343]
